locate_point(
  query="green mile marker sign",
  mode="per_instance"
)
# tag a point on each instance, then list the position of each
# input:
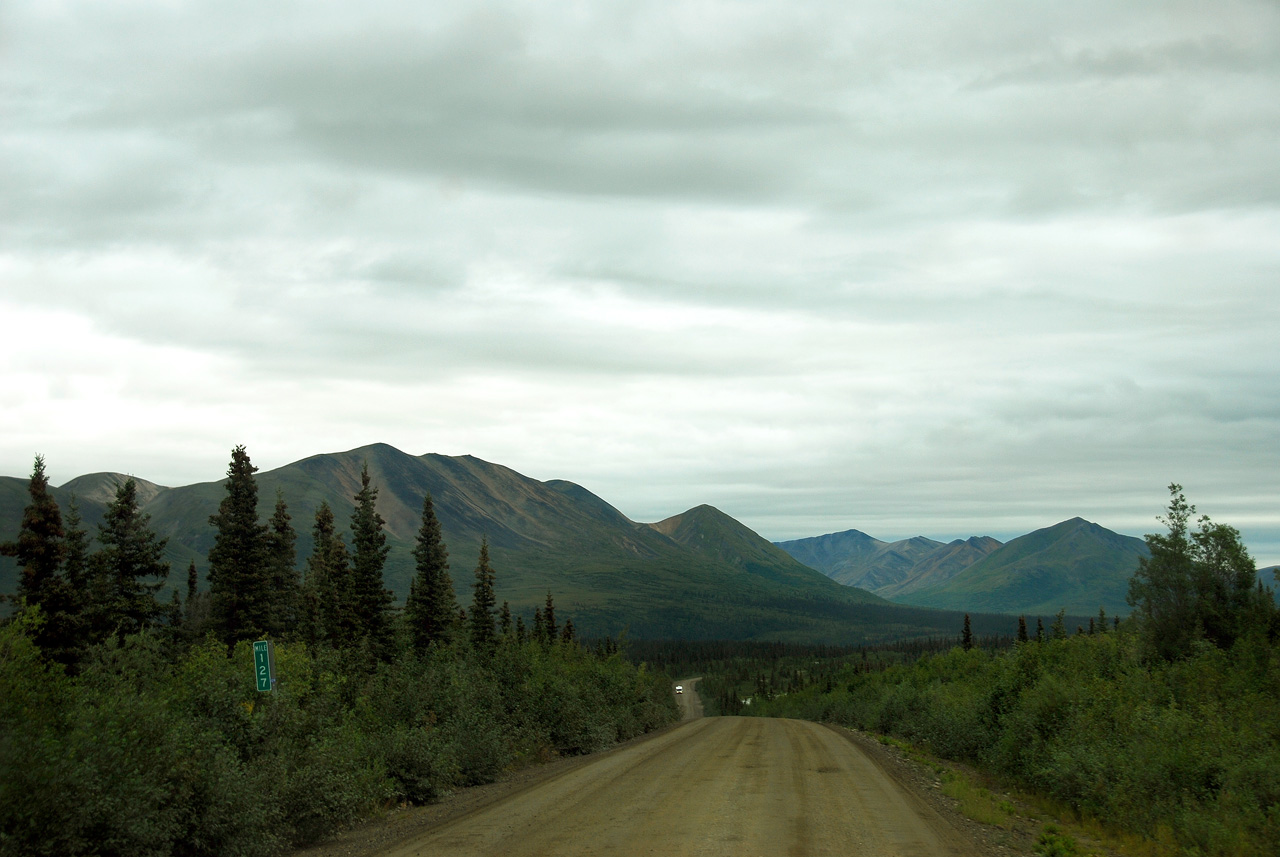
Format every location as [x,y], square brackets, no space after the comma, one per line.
[264,664]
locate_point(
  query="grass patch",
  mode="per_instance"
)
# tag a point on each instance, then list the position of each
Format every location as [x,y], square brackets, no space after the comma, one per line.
[977,802]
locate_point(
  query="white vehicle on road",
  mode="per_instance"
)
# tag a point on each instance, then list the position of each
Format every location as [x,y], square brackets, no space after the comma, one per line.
[679,688]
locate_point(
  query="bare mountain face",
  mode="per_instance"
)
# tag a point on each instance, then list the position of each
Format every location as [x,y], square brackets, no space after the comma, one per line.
[700,575]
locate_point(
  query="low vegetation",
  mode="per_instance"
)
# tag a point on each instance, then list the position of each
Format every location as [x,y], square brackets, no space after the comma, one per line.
[1167,728]
[133,727]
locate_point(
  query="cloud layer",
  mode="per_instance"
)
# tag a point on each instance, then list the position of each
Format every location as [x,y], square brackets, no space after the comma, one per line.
[925,269]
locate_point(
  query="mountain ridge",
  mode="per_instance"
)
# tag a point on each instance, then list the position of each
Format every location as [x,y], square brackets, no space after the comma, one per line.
[716,579]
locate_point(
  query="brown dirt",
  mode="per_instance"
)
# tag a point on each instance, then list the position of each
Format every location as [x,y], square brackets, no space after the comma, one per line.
[708,786]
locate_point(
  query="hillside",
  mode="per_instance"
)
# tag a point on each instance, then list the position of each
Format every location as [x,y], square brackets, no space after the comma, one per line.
[941,565]
[706,577]
[1076,565]
[856,559]
[713,534]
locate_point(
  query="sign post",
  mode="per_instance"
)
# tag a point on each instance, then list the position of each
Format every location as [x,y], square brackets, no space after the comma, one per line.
[264,664]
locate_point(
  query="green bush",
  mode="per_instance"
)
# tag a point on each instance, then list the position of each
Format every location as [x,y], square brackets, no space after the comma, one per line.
[155,750]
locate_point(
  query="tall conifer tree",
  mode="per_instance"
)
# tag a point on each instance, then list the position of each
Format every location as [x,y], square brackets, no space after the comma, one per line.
[282,558]
[41,550]
[130,552]
[370,596]
[239,585]
[328,584]
[432,606]
[550,629]
[483,636]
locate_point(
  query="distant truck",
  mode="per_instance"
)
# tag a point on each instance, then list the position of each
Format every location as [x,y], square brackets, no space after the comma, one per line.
[679,688]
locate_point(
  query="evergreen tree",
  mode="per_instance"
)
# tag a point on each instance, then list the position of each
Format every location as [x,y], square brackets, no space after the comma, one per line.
[282,570]
[1058,631]
[328,585]
[522,634]
[539,626]
[1039,630]
[75,563]
[966,636]
[505,629]
[482,633]
[549,630]
[432,606]
[192,583]
[1022,629]
[239,582]
[195,618]
[567,634]
[371,599]
[41,550]
[129,552]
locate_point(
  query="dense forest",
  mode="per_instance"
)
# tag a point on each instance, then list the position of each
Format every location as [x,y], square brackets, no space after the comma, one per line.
[134,727]
[1165,727]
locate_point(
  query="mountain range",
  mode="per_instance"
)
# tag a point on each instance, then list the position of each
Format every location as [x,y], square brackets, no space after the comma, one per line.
[697,575]
[1075,565]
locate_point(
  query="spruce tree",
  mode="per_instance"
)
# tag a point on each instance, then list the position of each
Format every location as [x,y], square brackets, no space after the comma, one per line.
[432,606]
[549,628]
[966,636]
[192,584]
[130,551]
[40,550]
[75,570]
[195,619]
[371,599]
[482,604]
[1022,629]
[239,586]
[505,629]
[282,571]
[1058,631]
[328,584]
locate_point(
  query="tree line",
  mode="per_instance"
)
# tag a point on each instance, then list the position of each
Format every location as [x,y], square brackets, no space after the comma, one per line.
[133,726]
[255,589]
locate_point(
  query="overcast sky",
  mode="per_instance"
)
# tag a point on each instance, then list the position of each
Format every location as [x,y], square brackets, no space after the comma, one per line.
[911,268]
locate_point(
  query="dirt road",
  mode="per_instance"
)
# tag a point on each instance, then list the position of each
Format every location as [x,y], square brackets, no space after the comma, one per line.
[712,786]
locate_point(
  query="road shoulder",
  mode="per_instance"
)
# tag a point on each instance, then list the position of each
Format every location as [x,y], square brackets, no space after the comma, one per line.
[923,782]
[401,824]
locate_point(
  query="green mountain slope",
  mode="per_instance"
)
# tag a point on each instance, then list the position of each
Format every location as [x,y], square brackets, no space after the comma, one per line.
[709,578]
[856,559]
[940,565]
[713,534]
[1076,565]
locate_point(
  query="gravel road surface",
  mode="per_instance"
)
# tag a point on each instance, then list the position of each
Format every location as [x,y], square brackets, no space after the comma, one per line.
[714,786]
